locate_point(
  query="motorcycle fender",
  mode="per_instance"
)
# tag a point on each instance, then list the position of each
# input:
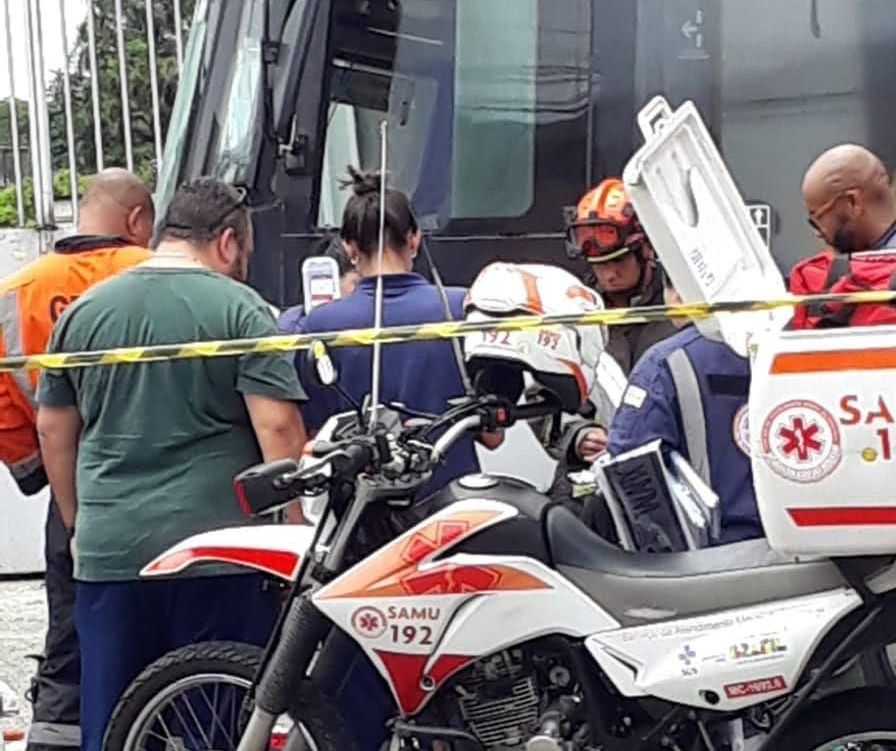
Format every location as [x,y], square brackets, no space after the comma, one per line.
[722,661]
[274,549]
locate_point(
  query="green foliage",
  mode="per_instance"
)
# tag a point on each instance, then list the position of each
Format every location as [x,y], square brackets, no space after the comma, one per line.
[138,80]
[62,186]
[8,212]
[111,118]
[6,125]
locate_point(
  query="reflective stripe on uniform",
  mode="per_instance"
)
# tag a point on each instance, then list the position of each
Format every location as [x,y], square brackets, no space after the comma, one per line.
[54,734]
[26,466]
[693,419]
[12,339]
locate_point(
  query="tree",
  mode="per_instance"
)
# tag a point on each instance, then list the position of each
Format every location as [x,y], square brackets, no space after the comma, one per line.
[6,125]
[139,89]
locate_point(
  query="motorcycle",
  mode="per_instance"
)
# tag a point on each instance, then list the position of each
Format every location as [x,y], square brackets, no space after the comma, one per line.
[499,621]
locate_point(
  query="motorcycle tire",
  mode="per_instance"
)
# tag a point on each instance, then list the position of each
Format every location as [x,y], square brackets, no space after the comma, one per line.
[862,715]
[318,715]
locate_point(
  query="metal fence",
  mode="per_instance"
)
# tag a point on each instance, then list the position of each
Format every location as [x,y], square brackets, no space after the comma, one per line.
[108,23]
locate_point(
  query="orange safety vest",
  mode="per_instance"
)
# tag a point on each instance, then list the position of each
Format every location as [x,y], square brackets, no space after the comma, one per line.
[31,300]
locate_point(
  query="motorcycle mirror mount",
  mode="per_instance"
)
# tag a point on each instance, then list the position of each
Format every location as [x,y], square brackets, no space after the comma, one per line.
[323,368]
[325,373]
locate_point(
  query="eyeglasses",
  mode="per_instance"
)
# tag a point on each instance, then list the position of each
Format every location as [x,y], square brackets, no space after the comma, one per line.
[815,216]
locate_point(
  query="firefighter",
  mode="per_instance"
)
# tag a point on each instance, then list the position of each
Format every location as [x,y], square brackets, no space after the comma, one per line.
[606,232]
[114,226]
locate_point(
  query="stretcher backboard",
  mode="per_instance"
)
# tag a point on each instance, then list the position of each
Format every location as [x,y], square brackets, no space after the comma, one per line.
[822,427]
[698,223]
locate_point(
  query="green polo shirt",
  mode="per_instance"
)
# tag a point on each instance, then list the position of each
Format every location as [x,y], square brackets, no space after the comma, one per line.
[161,441]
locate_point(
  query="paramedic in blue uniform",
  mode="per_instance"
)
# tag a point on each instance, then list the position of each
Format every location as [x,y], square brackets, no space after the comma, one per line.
[691,392]
[422,375]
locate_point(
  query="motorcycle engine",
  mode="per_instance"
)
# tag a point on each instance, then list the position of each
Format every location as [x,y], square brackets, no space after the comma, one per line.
[503,698]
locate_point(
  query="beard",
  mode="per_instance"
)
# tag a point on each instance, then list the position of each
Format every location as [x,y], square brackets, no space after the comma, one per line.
[844,240]
[238,270]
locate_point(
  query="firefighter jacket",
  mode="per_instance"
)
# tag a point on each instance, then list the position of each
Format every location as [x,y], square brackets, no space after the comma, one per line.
[31,300]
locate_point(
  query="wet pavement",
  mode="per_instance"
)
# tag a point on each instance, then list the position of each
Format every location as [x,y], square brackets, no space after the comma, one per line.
[23,617]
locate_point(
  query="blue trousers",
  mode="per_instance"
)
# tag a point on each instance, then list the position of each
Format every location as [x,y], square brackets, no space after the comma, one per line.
[346,674]
[125,626]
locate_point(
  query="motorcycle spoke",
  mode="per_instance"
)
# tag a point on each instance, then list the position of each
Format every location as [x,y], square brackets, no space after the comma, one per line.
[205,739]
[216,720]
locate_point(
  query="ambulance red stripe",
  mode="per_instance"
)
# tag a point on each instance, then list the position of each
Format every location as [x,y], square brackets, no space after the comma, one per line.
[834,361]
[844,516]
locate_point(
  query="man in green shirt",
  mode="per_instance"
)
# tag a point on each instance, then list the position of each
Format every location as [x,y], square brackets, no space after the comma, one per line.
[143,455]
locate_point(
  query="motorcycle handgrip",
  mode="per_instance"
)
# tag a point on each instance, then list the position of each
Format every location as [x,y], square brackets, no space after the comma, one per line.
[352,459]
[530,411]
[265,486]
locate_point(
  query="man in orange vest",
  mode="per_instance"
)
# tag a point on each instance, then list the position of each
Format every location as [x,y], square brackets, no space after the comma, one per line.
[114,227]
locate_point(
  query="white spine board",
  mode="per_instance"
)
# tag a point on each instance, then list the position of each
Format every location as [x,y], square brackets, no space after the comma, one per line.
[698,223]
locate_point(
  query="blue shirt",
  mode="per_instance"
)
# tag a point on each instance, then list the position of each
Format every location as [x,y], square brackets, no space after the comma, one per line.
[422,375]
[290,320]
[652,409]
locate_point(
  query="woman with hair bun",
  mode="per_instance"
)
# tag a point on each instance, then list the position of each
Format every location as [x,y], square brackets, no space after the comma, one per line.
[422,375]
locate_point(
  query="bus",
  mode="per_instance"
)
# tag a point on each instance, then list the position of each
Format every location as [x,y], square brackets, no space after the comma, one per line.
[502,112]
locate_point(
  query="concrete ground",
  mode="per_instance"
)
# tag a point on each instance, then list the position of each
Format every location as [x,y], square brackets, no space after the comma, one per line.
[23,617]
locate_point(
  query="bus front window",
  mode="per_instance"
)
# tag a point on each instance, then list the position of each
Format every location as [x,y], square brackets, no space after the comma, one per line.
[456,82]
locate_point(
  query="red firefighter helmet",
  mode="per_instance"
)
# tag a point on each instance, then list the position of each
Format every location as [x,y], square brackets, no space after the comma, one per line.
[605,226]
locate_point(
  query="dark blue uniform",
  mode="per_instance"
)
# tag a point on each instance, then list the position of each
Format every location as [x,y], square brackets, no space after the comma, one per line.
[691,392]
[422,375]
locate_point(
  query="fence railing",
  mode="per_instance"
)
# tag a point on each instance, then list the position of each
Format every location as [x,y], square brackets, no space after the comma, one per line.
[108,104]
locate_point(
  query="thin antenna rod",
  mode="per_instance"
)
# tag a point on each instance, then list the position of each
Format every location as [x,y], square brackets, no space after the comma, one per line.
[378,300]
[455,342]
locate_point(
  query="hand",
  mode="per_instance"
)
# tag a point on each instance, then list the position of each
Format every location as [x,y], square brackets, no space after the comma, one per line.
[295,514]
[592,443]
[491,440]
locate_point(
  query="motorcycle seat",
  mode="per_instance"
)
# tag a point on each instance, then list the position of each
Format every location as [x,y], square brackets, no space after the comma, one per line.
[638,588]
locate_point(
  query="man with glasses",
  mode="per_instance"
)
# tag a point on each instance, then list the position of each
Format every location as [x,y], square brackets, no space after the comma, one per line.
[852,209]
[153,447]
[850,201]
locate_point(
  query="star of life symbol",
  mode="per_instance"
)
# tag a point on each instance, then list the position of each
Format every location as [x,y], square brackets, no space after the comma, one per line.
[801,441]
[741,429]
[369,622]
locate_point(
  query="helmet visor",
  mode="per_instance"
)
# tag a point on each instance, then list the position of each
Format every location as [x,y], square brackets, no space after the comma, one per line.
[601,241]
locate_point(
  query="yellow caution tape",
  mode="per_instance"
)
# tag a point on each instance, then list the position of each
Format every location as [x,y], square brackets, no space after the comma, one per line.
[428,331]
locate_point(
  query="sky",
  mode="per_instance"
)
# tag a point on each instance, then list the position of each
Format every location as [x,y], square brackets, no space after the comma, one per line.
[54,54]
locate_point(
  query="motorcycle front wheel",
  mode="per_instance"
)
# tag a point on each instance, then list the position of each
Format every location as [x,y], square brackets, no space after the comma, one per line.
[859,720]
[193,699]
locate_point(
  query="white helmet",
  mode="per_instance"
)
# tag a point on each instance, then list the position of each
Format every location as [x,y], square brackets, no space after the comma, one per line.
[561,359]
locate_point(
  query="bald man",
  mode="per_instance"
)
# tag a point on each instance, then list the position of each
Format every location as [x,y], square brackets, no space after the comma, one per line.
[850,200]
[114,226]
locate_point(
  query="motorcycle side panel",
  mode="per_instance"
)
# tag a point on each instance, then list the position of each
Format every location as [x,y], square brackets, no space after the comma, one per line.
[275,549]
[725,661]
[421,614]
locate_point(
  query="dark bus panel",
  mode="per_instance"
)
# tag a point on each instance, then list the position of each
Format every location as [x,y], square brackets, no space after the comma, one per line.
[502,112]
